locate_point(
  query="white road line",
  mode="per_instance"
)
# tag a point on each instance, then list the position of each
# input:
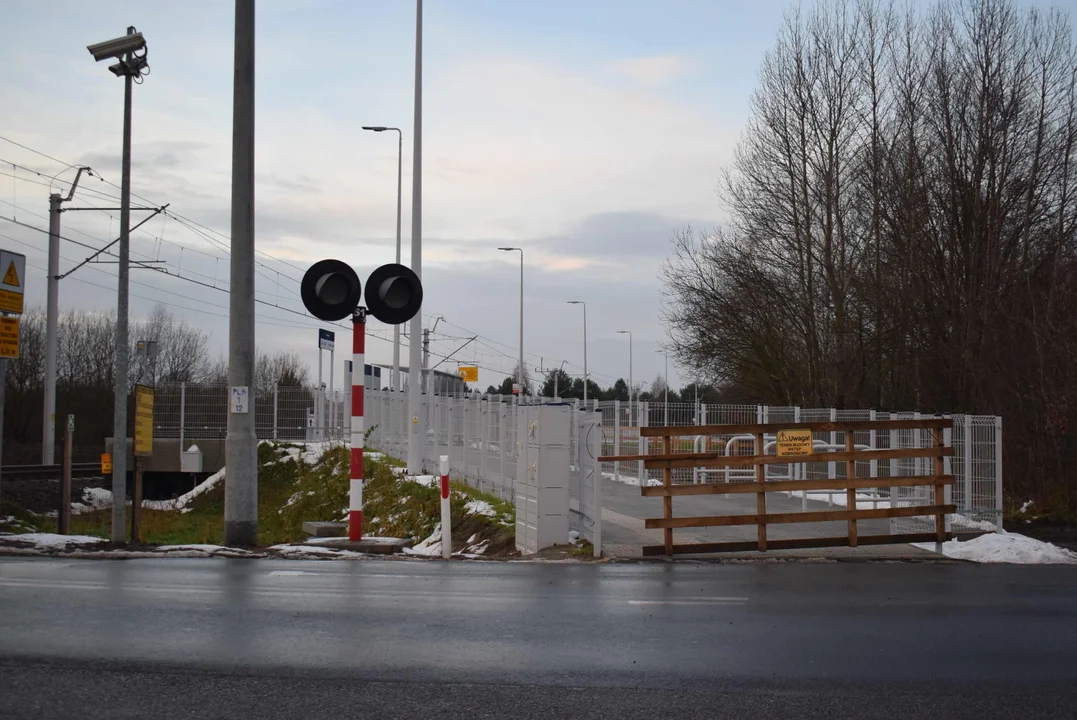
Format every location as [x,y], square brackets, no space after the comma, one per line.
[694,601]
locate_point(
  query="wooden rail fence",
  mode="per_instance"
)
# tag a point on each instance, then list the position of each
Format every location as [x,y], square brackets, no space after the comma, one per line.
[667,461]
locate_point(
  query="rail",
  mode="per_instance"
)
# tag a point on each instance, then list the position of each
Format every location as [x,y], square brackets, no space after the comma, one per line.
[48,472]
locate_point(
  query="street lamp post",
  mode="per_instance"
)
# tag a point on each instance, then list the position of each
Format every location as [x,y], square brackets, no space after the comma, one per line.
[581,302]
[631,384]
[665,411]
[521,250]
[130,65]
[399,170]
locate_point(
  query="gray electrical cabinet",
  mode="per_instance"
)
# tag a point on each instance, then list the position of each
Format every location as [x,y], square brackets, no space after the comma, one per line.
[542,446]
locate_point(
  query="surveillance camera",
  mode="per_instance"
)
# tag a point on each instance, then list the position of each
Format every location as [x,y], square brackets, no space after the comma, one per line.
[117,47]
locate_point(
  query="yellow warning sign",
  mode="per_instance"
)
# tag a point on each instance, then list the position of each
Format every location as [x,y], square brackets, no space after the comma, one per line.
[11,277]
[469,373]
[106,463]
[9,337]
[794,442]
[143,420]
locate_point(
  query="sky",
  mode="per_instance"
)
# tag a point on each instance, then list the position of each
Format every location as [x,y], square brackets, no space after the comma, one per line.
[587,133]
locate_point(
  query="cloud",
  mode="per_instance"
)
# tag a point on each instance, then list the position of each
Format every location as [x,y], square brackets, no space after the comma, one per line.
[653,71]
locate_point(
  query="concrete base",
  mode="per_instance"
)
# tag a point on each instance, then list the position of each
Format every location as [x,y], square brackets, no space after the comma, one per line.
[376,545]
[320,528]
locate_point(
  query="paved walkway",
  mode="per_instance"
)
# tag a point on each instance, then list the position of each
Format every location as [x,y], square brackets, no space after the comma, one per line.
[624,509]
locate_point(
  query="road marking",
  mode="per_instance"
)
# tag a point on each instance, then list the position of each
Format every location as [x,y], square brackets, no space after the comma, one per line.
[288,573]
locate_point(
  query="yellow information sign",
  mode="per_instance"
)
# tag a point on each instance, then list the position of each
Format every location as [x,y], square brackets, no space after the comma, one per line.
[794,442]
[9,337]
[106,463]
[469,373]
[143,420]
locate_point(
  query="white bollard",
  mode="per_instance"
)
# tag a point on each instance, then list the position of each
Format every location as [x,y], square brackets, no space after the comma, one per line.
[446,529]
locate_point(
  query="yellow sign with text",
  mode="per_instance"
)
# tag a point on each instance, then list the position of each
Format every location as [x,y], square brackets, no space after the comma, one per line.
[106,463]
[9,337]
[794,442]
[143,420]
[469,373]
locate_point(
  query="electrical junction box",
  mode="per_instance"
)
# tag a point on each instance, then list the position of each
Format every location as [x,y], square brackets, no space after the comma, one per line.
[542,476]
[191,460]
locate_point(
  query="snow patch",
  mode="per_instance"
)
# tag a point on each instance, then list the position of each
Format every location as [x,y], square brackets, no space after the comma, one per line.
[631,479]
[182,501]
[1005,547]
[1026,506]
[480,507]
[424,480]
[203,548]
[317,550]
[54,541]
[430,547]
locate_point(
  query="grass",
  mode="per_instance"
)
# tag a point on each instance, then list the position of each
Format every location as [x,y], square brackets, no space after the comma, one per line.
[293,490]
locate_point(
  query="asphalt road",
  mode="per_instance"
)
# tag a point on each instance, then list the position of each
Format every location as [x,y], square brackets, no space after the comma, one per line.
[286,639]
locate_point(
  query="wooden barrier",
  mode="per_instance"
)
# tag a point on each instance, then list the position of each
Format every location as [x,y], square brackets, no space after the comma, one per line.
[667,461]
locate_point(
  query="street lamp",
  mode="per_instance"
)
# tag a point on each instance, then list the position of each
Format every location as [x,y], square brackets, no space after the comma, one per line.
[399,169]
[521,250]
[665,354]
[581,302]
[631,385]
[130,50]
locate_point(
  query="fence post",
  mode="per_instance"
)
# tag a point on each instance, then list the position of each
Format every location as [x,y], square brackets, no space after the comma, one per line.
[967,461]
[501,444]
[482,436]
[831,467]
[616,441]
[183,411]
[948,469]
[644,420]
[874,464]
[801,469]
[998,473]
[276,410]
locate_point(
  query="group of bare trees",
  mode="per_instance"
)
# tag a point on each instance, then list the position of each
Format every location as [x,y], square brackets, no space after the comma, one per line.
[86,343]
[902,227]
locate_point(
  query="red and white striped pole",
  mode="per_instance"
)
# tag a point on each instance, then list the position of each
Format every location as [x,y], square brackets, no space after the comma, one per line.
[355,490]
[446,527]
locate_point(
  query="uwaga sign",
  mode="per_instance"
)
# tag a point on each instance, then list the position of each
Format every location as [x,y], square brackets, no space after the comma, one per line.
[794,442]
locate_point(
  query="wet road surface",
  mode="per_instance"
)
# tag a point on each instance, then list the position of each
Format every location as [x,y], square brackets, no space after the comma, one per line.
[270,638]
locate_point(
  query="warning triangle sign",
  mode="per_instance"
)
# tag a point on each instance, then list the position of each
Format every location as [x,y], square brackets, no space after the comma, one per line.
[11,277]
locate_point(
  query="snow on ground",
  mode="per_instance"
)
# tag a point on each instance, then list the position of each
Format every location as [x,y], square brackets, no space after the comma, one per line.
[430,547]
[54,541]
[366,538]
[194,546]
[480,507]
[427,480]
[630,479]
[308,550]
[1005,547]
[838,498]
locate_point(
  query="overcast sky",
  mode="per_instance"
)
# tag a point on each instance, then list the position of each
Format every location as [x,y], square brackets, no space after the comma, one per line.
[585,132]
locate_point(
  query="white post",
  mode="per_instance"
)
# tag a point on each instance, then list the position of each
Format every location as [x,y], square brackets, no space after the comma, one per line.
[319,402]
[52,311]
[644,412]
[501,444]
[967,464]
[998,473]
[446,527]
[276,414]
[616,441]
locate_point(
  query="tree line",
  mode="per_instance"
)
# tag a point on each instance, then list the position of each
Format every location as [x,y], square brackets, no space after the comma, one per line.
[85,382]
[902,227]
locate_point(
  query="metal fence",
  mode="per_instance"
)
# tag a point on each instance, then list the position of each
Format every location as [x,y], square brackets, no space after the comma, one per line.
[478,434]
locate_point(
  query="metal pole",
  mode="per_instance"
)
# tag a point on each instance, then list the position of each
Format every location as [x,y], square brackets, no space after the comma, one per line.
[395,385]
[416,434]
[183,411]
[119,417]
[3,393]
[584,355]
[522,371]
[319,402]
[241,451]
[332,398]
[428,387]
[63,516]
[48,431]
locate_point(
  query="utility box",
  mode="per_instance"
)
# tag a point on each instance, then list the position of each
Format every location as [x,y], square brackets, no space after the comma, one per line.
[542,476]
[191,460]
